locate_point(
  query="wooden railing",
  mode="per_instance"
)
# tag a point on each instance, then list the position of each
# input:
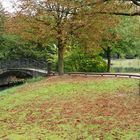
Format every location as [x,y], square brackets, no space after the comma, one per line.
[23,63]
[129,75]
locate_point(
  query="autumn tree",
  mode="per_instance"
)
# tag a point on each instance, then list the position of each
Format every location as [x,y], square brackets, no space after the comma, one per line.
[62,20]
[56,21]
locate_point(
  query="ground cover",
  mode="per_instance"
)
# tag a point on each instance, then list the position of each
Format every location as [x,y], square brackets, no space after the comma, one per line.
[72,108]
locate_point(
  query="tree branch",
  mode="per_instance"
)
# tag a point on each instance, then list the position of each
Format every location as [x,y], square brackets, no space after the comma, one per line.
[136,2]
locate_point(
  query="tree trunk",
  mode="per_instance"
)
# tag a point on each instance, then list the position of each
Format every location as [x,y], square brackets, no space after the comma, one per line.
[108,59]
[60,60]
[118,55]
[60,47]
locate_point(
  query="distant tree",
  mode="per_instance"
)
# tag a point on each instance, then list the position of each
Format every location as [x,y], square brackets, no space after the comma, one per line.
[13,47]
[2,19]
[128,45]
[2,28]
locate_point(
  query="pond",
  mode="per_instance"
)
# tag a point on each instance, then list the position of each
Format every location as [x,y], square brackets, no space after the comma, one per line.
[125,65]
[125,70]
[9,82]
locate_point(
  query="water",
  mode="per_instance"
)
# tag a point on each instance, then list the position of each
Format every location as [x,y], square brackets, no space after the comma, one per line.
[125,70]
[125,65]
[7,86]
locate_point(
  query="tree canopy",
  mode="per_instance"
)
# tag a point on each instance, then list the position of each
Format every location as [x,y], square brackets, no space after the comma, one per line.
[65,23]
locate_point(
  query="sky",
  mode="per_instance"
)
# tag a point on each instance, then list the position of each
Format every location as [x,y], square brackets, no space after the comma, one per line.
[7,4]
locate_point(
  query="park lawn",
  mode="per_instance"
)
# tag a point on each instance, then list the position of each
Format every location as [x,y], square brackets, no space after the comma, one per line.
[71,108]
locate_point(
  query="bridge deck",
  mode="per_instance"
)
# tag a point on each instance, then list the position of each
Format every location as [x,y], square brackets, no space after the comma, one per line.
[30,69]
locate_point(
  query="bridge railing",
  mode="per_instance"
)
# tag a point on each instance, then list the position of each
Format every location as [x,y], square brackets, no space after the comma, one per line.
[24,63]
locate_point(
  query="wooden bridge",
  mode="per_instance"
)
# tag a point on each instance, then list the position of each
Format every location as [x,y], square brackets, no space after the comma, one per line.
[24,63]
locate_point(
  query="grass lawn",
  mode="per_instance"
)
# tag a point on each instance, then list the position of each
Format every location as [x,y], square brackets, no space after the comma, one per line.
[71,108]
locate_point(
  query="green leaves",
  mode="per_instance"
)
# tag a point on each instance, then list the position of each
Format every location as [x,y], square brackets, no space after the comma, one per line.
[76,60]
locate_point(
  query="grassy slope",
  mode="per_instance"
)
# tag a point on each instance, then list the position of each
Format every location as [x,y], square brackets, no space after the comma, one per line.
[71,108]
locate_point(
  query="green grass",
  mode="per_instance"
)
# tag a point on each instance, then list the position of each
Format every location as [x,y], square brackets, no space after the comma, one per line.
[64,89]
[37,110]
[35,79]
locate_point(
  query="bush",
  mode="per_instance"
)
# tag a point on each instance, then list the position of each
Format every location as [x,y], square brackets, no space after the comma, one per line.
[77,61]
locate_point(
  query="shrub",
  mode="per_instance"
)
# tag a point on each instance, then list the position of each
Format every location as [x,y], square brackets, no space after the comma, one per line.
[79,61]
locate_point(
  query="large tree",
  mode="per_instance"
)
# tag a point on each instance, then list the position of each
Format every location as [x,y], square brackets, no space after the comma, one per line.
[62,20]
[50,20]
